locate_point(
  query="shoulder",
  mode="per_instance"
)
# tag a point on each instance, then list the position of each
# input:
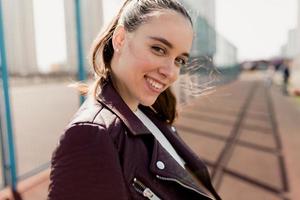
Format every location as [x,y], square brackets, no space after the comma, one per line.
[94,113]
[92,123]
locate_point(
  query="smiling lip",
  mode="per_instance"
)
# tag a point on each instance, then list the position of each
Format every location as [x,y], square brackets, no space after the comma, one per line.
[154,85]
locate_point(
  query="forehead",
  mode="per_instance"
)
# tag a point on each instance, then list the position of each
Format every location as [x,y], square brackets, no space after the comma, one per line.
[170,25]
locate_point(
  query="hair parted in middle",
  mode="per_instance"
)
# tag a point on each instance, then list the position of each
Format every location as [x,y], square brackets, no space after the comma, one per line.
[131,15]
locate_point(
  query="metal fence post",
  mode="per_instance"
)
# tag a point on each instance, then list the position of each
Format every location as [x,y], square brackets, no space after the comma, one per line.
[81,68]
[10,164]
[2,150]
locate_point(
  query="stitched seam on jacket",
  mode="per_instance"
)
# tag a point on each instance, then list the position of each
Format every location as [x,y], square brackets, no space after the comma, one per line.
[88,123]
[98,113]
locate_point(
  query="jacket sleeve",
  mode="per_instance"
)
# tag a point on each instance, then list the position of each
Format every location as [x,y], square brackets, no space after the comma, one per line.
[86,165]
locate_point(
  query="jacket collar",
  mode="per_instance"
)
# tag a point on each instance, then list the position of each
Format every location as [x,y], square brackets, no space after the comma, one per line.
[111,99]
[172,171]
[175,171]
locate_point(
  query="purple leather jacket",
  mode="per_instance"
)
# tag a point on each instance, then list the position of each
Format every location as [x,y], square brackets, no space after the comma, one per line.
[107,153]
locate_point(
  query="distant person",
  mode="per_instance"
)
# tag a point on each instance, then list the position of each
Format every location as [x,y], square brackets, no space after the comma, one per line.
[121,144]
[269,75]
[285,68]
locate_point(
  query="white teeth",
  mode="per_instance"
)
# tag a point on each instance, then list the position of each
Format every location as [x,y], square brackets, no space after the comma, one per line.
[154,84]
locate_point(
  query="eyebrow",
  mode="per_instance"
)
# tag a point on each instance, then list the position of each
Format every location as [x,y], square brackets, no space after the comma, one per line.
[167,43]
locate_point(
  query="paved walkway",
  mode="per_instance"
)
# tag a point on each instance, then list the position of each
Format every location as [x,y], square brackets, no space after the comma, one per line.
[245,133]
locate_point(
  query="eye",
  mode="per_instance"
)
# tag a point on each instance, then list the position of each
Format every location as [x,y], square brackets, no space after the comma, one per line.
[180,62]
[158,50]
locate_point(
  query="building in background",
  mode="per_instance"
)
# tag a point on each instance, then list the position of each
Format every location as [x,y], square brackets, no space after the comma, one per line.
[226,55]
[297,57]
[91,20]
[291,48]
[19,36]
[21,43]
[203,8]
[203,15]
[207,41]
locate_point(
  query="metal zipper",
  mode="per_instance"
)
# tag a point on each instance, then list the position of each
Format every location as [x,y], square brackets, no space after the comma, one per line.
[182,184]
[142,189]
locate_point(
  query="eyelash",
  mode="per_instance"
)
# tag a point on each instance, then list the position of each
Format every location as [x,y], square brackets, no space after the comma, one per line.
[182,62]
[161,52]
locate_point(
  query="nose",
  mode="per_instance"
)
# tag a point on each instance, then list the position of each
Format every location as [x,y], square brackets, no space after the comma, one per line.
[169,70]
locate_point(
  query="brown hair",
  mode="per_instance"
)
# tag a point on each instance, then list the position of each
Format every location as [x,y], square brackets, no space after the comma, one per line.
[132,14]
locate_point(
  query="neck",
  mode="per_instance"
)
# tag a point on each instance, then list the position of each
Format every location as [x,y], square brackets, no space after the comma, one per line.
[133,105]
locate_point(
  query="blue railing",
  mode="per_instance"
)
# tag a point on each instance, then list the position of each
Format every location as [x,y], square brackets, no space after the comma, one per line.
[9,162]
[81,68]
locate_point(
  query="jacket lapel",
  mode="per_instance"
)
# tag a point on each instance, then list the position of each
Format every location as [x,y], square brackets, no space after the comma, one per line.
[110,98]
[170,169]
[183,150]
[162,164]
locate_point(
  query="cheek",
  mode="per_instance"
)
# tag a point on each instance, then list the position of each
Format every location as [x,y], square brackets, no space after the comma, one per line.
[176,76]
[141,55]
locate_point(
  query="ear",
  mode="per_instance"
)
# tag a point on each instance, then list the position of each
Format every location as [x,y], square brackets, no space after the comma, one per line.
[118,38]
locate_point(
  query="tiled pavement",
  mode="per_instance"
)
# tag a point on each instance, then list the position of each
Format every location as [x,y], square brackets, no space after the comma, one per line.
[247,136]
[236,132]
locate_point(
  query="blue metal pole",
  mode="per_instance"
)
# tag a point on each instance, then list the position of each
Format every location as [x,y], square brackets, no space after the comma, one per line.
[81,69]
[3,154]
[11,165]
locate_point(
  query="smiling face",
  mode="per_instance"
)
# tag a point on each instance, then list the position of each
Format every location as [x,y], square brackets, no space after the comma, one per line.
[147,61]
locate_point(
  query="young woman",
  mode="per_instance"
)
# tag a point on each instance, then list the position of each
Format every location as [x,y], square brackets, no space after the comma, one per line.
[121,143]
